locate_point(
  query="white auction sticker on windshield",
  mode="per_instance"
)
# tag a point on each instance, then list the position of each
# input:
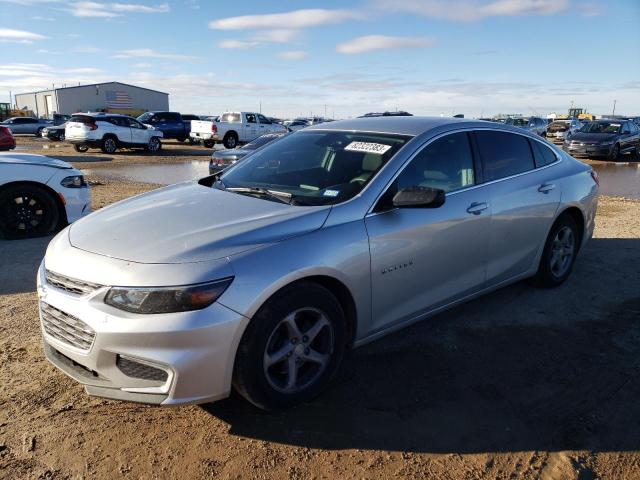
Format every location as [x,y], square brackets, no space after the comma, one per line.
[366,147]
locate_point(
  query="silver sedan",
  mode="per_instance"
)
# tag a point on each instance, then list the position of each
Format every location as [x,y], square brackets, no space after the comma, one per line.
[260,277]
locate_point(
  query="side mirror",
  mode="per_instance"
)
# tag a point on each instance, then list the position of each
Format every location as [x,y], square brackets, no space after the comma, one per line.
[419,197]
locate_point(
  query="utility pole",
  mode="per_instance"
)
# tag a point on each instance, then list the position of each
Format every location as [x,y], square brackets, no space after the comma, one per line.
[325,110]
[260,106]
[614,108]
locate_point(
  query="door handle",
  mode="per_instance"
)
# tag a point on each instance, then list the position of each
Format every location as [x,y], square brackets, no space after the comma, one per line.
[477,207]
[546,187]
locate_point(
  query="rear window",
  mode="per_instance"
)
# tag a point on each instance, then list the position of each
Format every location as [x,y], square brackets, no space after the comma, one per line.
[504,154]
[542,154]
[87,120]
[230,117]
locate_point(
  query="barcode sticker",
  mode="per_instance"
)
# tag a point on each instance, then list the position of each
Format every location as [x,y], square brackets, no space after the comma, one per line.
[366,147]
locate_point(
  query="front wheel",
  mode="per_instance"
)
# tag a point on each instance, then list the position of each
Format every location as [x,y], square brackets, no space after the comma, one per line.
[291,348]
[81,148]
[39,132]
[559,253]
[209,143]
[61,137]
[109,145]
[154,144]
[27,211]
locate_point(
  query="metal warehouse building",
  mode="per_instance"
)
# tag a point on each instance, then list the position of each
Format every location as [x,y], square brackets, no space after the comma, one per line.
[112,97]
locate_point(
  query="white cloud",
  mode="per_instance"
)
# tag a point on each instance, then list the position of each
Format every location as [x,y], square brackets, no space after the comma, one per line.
[19,36]
[370,43]
[466,10]
[293,55]
[236,44]
[141,65]
[149,53]
[281,35]
[111,10]
[296,19]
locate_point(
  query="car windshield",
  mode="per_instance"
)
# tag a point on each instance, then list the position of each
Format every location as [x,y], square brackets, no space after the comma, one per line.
[559,126]
[518,122]
[230,117]
[145,117]
[314,167]
[260,141]
[601,127]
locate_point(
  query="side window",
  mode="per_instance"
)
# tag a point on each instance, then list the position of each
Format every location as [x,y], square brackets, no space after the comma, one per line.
[172,117]
[251,118]
[263,119]
[19,121]
[626,128]
[542,154]
[503,154]
[30,120]
[134,123]
[447,164]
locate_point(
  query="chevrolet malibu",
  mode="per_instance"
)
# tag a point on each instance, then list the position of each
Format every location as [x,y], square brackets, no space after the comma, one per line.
[259,278]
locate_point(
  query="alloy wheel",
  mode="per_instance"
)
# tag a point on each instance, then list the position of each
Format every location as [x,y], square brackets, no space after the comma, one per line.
[562,251]
[298,350]
[24,214]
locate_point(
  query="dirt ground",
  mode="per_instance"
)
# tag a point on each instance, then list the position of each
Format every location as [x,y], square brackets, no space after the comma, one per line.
[522,383]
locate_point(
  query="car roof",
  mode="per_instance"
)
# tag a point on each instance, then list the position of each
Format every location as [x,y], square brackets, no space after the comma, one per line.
[398,125]
[100,114]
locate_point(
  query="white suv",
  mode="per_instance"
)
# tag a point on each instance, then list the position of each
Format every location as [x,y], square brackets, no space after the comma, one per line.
[110,132]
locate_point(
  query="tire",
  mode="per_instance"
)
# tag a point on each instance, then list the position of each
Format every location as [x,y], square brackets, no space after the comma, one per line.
[154,145]
[615,152]
[39,132]
[269,334]
[209,143]
[81,148]
[181,139]
[230,140]
[61,137]
[27,211]
[109,145]
[557,262]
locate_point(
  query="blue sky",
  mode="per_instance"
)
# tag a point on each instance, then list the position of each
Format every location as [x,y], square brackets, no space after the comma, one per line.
[429,57]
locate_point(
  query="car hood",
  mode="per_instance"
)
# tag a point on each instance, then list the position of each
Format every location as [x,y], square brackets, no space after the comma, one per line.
[189,222]
[592,137]
[31,159]
[234,153]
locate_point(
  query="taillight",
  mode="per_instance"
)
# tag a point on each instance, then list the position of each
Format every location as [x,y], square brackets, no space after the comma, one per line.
[595,177]
[214,128]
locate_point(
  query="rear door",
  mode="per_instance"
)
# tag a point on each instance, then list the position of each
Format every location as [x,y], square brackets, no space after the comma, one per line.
[120,126]
[264,125]
[422,258]
[524,198]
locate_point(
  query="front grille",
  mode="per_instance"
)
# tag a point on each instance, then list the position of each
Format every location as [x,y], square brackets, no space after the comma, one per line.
[71,285]
[134,369]
[66,328]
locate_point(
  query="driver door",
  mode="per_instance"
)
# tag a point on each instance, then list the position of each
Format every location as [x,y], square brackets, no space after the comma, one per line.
[250,128]
[422,258]
[139,133]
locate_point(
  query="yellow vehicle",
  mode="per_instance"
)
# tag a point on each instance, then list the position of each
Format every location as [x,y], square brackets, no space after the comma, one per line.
[581,114]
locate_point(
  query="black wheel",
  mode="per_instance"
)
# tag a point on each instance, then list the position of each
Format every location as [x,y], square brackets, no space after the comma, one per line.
[292,347]
[615,152]
[109,145]
[209,143]
[39,132]
[27,211]
[154,145]
[61,136]
[81,148]
[230,140]
[181,139]
[559,254]
[193,141]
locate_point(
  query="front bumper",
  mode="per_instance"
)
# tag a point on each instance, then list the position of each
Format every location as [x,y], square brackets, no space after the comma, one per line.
[588,150]
[164,359]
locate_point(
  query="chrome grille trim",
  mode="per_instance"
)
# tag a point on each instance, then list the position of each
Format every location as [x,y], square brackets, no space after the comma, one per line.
[66,328]
[71,285]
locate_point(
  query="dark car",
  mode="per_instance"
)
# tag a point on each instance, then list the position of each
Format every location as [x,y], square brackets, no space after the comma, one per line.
[7,142]
[387,114]
[533,124]
[55,132]
[604,138]
[171,124]
[224,158]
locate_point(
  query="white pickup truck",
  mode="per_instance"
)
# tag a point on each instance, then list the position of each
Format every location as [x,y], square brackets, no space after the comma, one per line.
[233,128]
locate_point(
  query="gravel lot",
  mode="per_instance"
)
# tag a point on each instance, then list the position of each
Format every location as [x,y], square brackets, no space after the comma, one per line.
[522,383]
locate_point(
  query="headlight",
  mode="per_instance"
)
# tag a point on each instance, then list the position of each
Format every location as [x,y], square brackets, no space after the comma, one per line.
[166,299]
[76,181]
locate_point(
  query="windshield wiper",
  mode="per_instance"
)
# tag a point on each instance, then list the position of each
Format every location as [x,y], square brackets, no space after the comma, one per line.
[282,197]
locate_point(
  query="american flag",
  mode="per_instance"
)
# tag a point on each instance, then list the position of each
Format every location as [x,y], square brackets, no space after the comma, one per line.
[118,99]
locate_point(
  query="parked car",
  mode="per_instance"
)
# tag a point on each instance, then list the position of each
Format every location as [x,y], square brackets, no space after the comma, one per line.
[222,159]
[298,124]
[559,130]
[329,238]
[532,124]
[233,129]
[55,132]
[604,138]
[171,124]
[7,142]
[26,125]
[110,132]
[39,194]
[387,114]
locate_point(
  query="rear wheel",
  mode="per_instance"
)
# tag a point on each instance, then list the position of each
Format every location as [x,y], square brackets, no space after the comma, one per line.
[27,211]
[292,347]
[109,145]
[559,253]
[230,140]
[81,148]
[209,143]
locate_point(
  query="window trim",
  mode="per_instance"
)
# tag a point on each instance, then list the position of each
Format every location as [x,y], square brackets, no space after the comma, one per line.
[559,159]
